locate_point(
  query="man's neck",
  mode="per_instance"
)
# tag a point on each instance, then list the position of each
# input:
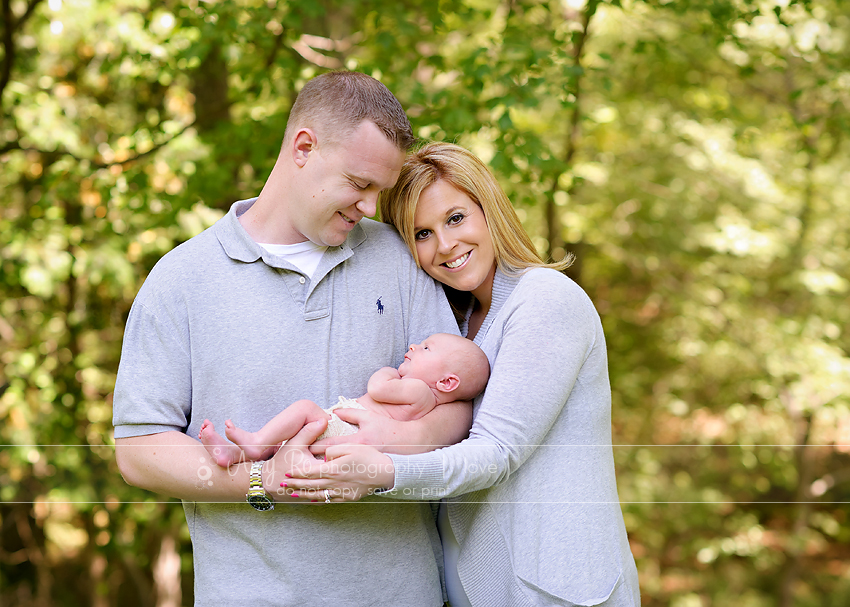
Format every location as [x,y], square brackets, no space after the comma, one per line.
[267,221]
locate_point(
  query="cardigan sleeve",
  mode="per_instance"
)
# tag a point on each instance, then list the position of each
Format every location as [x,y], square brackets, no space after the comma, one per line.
[543,335]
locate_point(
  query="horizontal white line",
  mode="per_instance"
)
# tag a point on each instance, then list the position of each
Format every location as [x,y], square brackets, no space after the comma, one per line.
[495,445]
[403,501]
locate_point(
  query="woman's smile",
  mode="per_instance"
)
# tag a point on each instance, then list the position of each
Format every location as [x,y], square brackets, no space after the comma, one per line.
[453,242]
[457,262]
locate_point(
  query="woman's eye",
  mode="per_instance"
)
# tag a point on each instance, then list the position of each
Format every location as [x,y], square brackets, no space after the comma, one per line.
[422,234]
[456,218]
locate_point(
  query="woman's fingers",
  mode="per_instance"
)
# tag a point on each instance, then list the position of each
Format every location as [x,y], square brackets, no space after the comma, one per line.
[352,416]
[308,482]
[350,470]
[315,469]
[316,495]
[327,495]
[304,489]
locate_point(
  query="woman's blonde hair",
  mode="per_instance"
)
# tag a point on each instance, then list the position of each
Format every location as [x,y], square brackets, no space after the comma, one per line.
[465,171]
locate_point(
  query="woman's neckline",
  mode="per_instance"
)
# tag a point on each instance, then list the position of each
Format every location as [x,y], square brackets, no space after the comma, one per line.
[503,286]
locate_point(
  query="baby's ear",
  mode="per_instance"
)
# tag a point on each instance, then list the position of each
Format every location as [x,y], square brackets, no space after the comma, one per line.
[448,384]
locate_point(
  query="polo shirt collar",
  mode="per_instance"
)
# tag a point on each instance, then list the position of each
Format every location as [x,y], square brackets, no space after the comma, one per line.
[241,247]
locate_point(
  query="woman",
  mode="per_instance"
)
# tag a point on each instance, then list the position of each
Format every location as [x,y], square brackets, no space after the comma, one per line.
[531,515]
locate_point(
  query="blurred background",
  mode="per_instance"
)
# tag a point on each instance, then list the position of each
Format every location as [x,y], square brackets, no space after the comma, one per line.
[692,154]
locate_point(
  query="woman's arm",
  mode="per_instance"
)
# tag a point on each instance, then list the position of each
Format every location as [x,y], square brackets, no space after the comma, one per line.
[444,425]
[549,331]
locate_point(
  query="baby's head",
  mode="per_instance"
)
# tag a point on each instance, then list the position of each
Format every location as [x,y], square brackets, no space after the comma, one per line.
[452,365]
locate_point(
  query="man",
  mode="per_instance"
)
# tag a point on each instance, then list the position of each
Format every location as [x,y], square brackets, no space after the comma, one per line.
[272,304]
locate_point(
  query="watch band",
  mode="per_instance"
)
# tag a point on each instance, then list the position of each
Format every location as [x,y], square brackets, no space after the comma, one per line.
[257,496]
[256,480]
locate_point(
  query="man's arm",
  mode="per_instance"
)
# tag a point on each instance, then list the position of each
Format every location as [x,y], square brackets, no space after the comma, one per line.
[175,465]
[172,464]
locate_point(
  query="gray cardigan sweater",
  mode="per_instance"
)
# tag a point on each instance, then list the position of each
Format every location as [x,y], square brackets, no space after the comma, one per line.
[532,496]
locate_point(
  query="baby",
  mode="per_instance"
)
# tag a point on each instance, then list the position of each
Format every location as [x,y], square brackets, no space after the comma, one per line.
[443,368]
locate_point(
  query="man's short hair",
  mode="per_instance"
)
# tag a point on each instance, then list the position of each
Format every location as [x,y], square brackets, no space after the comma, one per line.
[335,103]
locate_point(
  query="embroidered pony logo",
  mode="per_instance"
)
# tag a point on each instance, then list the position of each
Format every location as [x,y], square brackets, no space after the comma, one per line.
[380,305]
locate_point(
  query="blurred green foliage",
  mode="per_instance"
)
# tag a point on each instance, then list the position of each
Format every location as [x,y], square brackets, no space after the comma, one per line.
[693,155]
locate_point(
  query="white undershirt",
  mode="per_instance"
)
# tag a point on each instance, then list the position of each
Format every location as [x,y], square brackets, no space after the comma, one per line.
[304,255]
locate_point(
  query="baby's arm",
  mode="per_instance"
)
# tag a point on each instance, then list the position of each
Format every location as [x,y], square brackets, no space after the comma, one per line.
[409,398]
[380,377]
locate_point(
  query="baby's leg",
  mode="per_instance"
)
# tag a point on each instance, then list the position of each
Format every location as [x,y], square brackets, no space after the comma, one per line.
[282,426]
[223,453]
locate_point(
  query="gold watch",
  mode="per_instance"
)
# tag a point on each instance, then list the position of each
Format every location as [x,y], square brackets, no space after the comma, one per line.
[257,496]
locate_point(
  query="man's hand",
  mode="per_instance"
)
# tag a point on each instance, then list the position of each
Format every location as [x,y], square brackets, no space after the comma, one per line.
[295,454]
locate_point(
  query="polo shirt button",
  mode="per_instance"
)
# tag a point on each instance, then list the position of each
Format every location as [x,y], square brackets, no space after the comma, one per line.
[301,280]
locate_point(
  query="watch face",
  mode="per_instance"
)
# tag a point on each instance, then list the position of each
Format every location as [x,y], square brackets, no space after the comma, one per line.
[261,502]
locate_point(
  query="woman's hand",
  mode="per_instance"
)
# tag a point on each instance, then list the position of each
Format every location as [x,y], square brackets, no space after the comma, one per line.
[375,430]
[446,424]
[349,473]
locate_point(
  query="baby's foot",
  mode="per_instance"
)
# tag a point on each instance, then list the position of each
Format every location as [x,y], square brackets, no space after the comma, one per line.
[248,442]
[223,453]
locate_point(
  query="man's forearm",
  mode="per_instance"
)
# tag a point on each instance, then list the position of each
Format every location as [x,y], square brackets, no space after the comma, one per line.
[176,465]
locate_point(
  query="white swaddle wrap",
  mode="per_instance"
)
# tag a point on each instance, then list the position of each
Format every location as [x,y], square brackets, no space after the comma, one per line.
[337,427]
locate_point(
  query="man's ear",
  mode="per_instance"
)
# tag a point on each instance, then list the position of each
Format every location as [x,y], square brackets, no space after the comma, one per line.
[303,143]
[448,384]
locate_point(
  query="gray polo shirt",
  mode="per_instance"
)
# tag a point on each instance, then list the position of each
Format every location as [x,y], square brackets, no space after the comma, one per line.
[223,329]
